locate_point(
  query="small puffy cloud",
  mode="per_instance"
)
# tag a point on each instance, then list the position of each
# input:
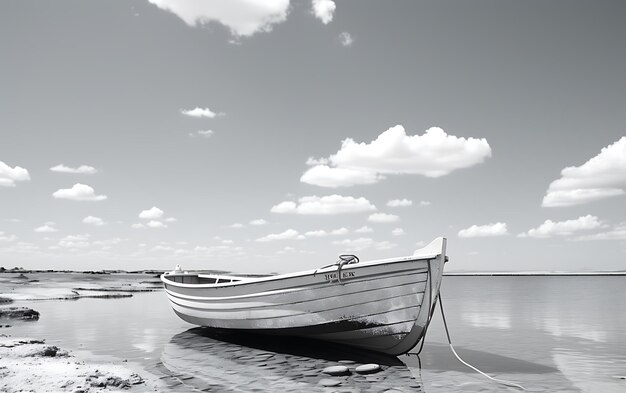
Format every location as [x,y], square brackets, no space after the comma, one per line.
[424,203]
[345,39]
[398,232]
[339,232]
[258,222]
[138,226]
[318,233]
[326,205]
[156,224]
[564,228]
[488,230]
[153,213]
[383,218]
[364,229]
[79,192]
[199,112]
[5,237]
[46,228]
[324,10]
[8,175]
[286,235]
[603,176]
[363,243]
[83,169]
[432,154]
[400,202]
[241,17]
[170,219]
[202,134]
[325,176]
[236,225]
[97,221]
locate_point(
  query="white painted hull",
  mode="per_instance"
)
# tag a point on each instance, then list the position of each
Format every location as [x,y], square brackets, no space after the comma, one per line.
[382,305]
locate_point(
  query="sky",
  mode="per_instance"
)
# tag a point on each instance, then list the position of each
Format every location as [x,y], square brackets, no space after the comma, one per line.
[271,136]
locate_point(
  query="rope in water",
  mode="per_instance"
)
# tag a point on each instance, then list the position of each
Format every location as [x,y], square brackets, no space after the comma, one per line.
[445,324]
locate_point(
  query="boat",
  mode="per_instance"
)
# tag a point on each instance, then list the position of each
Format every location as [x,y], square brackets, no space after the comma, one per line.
[380,305]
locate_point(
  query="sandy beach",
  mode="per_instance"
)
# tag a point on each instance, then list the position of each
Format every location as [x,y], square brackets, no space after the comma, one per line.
[29,364]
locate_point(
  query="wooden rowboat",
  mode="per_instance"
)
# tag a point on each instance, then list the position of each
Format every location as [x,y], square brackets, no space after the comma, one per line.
[382,305]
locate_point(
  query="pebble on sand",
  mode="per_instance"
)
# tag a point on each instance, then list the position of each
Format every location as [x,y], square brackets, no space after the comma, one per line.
[336,370]
[329,382]
[370,368]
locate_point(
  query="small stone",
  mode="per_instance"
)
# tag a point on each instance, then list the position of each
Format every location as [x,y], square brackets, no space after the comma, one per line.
[336,370]
[329,382]
[370,368]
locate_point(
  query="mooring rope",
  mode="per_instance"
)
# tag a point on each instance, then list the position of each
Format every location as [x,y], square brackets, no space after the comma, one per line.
[445,325]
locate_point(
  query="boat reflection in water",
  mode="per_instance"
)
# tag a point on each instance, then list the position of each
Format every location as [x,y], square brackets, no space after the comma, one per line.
[205,359]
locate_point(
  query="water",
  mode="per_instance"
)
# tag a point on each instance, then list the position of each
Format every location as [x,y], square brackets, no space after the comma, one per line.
[550,334]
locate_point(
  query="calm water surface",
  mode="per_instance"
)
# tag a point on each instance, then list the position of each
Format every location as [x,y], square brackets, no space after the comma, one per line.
[550,334]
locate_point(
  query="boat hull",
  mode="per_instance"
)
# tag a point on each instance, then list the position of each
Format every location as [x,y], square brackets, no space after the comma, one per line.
[382,306]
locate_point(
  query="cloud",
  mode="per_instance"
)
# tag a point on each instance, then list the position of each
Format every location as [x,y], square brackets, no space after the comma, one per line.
[339,232]
[79,192]
[156,224]
[324,10]
[318,233]
[363,243]
[617,233]
[488,230]
[399,202]
[83,169]
[286,235]
[151,214]
[383,218]
[202,134]
[397,232]
[364,229]
[258,222]
[325,176]
[564,228]
[46,228]
[97,221]
[432,154]
[326,205]
[199,112]
[425,203]
[75,241]
[603,176]
[345,39]
[242,17]
[236,225]
[8,175]
[5,237]
[138,226]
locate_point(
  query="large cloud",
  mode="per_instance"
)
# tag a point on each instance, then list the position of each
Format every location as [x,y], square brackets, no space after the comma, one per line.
[324,10]
[242,17]
[326,205]
[488,230]
[83,169]
[603,176]
[8,175]
[79,192]
[432,154]
[564,228]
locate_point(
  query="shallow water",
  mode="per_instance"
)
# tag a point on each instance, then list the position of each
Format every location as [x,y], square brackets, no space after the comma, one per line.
[549,334]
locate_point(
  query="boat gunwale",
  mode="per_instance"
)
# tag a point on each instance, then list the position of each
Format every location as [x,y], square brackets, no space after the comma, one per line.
[304,273]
